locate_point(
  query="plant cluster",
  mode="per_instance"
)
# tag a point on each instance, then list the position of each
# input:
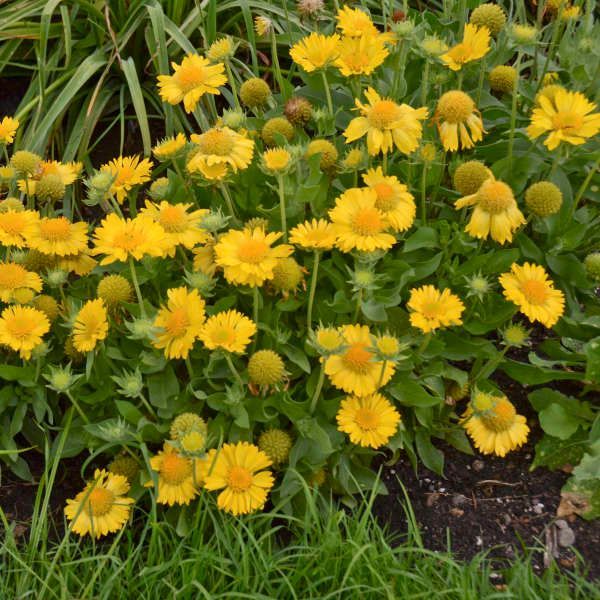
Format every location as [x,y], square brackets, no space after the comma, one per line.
[314,266]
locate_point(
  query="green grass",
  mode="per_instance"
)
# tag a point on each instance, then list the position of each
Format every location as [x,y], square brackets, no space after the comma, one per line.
[326,554]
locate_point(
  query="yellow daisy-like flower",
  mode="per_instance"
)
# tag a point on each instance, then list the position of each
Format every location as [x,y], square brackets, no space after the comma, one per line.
[475,45]
[81,264]
[393,198]
[247,256]
[214,173]
[370,421]
[386,124]
[67,172]
[493,424]
[8,129]
[356,369]
[58,236]
[177,480]
[496,211]
[102,507]
[128,172]
[204,258]
[14,277]
[431,309]
[276,159]
[120,239]
[354,22]
[458,121]
[218,147]
[16,227]
[90,326]
[361,55]
[359,224]
[180,322]
[529,287]
[263,25]
[316,51]
[567,117]
[170,147]
[22,328]
[221,50]
[193,78]
[182,228]
[229,330]
[239,470]
[318,234]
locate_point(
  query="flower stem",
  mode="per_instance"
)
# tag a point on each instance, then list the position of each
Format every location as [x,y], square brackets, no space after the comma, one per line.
[228,200]
[460,80]
[313,288]
[315,398]
[424,195]
[584,185]
[136,286]
[276,67]
[255,307]
[281,191]
[233,370]
[77,407]
[513,113]
[327,94]
[424,343]
[482,70]
[381,374]
[232,84]
[147,405]
[425,83]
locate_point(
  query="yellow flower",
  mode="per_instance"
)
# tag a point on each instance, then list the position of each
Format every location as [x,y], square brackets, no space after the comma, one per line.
[229,330]
[247,256]
[454,113]
[128,172]
[475,44]
[8,129]
[432,309]
[386,124]
[548,91]
[276,159]
[181,227]
[359,224]
[494,425]
[81,264]
[370,421]
[356,369]
[529,287]
[67,172]
[328,340]
[120,239]
[496,211]
[571,12]
[239,470]
[90,326]
[193,78]
[170,147]
[14,277]
[221,50]
[102,507]
[263,25]
[218,147]
[177,478]
[314,235]
[568,117]
[204,258]
[355,22]
[361,55]
[22,328]
[316,51]
[58,236]
[180,322]
[393,198]
[434,46]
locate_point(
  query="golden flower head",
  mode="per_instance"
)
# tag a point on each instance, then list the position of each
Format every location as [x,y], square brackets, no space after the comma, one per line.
[22,328]
[316,51]
[193,78]
[57,236]
[230,331]
[489,15]
[354,22]
[361,55]
[434,46]
[327,340]
[287,275]
[515,335]
[455,112]
[432,309]
[475,45]
[523,34]
[170,148]
[266,367]
[529,287]
[255,92]
[14,277]
[469,176]
[317,234]
[327,151]
[220,147]
[186,423]
[276,160]
[127,172]
[298,110]
[543,198]
[354,159]
[503,79]
[8,130]
[90,326]
[276,444]
[276,130]
[25,162]
[221,50]
[176,474]
[114,290]
[263,25]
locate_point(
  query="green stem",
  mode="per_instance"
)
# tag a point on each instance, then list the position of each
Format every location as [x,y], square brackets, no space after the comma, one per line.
[550,53]
[255,308]
[384,163]
[460,80]
[147,405]
[491,365]
[233,370]
[381,374]
[358,305]
[232,84]
[513,113]
[77,407]
[424,343]
[315,398]
[584,185]
[183,180]
[482,70]
[277,68]
[228,200]
[327,94]
[313,287]
[281,190]
[424,195]
[136,286]
[425,83]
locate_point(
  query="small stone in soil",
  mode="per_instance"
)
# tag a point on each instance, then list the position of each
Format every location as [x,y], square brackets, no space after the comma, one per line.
[478,465]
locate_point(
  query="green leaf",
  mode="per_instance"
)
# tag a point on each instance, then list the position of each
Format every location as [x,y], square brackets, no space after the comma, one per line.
[432,458]
[424,237]
[556,421]
[162,386]
[555,453]
[411,393]
[137,98]
[592,354]
[531,375]
[129,411]
[12,373]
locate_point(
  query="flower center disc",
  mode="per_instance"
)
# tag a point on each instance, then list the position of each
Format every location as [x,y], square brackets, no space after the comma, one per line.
[495,197]
[501,417]
[367,221]
[567,120]
[366,419]
[12,223]
[55,229]
[535,291]
[216,141]
[253,251]
[455,106]
[100,501]
[172,219]
[357,358]
[175,469]
[12,276]
[431,310]
[20,327]
[188,77]
[178,322]
[385,196]
[383,114]
[239,479]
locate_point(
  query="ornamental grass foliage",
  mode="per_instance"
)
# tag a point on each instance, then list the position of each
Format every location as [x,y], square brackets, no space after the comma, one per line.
[325,258]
